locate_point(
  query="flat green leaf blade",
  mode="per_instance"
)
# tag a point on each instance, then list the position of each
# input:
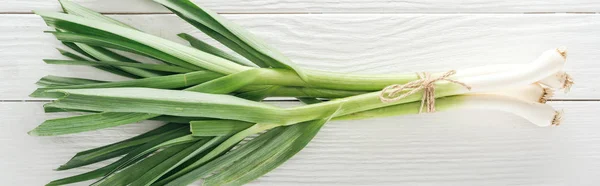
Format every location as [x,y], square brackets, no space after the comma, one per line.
[98,53]
[131,157]
[133,172]
[88,122]
[217,127]
[79,160]
[75,9]
[225,41]
[259,94]
[313,92]
[164,167]
[169,102]
[163,82]
[123,44]
[84,176]
[155,67]
[201,45]
[72,55]
[269,156]
[222,148]
[166,139]
[179,120]
[273,153]
[220,162]
[54,110]
[77,57]
[188,54]
[231,31]
[107,55]
[65,81]
[229,83]
[109,151]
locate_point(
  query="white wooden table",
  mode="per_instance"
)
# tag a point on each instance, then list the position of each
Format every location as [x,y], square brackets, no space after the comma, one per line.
[452,148]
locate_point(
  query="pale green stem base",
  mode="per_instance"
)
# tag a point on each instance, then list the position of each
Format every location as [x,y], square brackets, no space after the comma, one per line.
[361,103]
[442,104]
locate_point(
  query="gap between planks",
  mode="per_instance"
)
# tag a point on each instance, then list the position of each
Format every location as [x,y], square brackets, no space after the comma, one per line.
[334,13]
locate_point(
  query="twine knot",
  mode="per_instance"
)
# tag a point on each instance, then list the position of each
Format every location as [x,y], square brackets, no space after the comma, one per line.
[425,82]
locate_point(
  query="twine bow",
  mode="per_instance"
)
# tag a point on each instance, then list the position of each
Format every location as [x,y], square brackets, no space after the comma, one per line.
[425,82]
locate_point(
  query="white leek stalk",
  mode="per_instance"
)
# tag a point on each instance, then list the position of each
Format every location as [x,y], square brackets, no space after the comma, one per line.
[539,114]
[533,93]
[549,63]
[560,80]
[524,105]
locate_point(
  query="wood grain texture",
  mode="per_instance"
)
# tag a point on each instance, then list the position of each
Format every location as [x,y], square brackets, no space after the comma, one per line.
[346,43]
[358,36]
[322,6]
[450,148]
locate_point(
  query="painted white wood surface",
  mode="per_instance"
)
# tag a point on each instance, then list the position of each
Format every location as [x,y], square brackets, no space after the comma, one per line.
[452,148]
[346,43]
[323,6]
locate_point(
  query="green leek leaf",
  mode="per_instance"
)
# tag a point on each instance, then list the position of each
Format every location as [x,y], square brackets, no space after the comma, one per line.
[84,176]
[220,162]
[222,148]
[168,102]
[107,55]
[87,122]
[213,24]
[122,44]
[131,157]
[65,81]
[201,45]
[149,148]
[77,57]
[164,167]
[129,174]
[217,127]
[73,46]
[99,154]
[75,9]
[155,67]
[269,156]
[166,82]
[79,160]
[92,27]
[259,94]
[227,84]
[177,119]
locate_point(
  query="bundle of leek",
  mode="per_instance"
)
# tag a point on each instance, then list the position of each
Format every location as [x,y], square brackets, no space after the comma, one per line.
[210,99]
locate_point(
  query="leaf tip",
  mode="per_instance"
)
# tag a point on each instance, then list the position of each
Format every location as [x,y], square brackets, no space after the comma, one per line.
[38,93]
[40,12]
[62,51]
[183,35]
[34,132]
[62,167]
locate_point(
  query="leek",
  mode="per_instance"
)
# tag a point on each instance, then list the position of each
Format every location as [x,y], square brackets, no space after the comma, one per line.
[218,128]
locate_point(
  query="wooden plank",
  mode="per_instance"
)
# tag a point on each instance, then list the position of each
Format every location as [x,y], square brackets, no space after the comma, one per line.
[455,147]
[322,6]
[346,43]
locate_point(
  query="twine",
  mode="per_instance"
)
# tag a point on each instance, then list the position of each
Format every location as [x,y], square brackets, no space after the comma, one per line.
[425,82]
